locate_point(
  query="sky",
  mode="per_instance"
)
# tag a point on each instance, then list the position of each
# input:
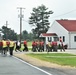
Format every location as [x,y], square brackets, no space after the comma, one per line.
[63,9]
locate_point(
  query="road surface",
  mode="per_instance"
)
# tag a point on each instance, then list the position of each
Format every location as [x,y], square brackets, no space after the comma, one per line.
[14,66]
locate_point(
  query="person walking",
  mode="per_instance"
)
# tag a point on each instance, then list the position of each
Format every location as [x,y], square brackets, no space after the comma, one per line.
[1,46]
[11,47]
[8,43]
[49,47]
[18,46]
[61,45]
[34,46]
[4,51]
[54,46]
[41,46]
[25,46]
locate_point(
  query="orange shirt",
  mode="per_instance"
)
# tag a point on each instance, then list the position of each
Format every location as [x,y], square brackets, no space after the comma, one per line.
[34,43]
[25,43]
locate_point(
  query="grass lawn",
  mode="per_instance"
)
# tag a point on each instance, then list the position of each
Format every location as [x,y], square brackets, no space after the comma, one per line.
[59,58]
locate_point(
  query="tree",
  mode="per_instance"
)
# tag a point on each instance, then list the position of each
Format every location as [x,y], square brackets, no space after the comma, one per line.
[8,33]
[25,35]
[39,19]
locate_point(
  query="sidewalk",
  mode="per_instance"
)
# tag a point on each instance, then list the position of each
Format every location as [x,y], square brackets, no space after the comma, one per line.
[71,51]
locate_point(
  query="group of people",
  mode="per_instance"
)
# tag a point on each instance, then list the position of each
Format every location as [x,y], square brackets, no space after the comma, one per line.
[38,46]
[51,46]
[10,45]
[18,46]
[6,45]
[54,46]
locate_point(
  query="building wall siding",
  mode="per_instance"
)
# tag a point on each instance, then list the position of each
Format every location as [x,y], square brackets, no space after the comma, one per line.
[60,31]
[73,43]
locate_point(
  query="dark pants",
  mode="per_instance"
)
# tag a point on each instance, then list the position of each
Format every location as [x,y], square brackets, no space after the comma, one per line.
[17,48]
[11,50]
[4,51]
[55,48]
[25,48]
[34,48]
[1,49]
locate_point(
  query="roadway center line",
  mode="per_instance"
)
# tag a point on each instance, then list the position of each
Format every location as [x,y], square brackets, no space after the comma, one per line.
[33,66]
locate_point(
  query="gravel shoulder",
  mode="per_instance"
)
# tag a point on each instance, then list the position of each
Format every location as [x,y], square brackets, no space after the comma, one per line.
[40,63]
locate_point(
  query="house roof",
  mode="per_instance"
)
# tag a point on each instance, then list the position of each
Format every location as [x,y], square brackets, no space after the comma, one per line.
[48,34]
[69,25]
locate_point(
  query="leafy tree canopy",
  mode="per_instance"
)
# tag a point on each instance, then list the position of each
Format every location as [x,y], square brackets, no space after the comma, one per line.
[39,19]
[8,33]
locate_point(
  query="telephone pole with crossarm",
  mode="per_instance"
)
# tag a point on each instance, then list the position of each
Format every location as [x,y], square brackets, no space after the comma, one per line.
[20,16]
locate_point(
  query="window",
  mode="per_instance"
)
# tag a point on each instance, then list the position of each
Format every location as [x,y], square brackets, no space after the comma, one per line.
[74,38]
[55,38]
[63,38]
[49,38]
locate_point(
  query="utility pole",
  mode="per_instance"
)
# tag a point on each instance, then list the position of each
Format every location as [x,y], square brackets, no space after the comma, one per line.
[6,29]
[20,16]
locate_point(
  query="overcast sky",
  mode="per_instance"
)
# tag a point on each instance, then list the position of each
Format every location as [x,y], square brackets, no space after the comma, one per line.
[8,11]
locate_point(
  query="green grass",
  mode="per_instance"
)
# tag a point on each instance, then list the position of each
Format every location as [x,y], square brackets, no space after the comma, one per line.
[29,43]
[59,58]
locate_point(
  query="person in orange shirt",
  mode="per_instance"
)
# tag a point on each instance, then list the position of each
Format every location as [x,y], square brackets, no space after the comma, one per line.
[34,44]
[25,46]
[41,46]
[8,43]
[54,46]
[1,44]
[37,45]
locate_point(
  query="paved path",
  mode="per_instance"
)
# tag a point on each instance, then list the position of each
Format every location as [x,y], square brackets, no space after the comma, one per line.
[14,66]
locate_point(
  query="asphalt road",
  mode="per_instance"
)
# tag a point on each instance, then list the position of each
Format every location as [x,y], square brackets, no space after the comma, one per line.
[14,66]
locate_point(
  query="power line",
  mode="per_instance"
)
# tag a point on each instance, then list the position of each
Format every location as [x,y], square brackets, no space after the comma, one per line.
[64,13]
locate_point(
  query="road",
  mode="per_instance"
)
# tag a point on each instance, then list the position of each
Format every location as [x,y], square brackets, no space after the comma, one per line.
[14,66]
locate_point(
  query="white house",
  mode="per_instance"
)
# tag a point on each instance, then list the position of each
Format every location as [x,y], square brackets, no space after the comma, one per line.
[65,29]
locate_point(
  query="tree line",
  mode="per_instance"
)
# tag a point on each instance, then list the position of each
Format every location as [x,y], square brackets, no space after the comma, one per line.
[8,33]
